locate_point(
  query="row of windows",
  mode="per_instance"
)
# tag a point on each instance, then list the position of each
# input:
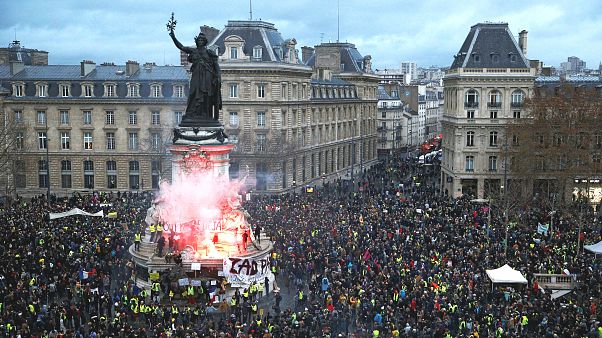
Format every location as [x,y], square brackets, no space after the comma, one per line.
[260,117]
[88,178]
[493,114]
[492,163]
[156,141]
[65,117]
[110,90]
[471,98]
[493,139]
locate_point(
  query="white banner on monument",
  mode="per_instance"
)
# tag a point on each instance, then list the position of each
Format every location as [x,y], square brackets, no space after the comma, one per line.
[245,270]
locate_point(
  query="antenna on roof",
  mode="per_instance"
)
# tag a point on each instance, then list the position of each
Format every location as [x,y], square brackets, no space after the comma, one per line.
[321,37]
[338,19]
[250,10]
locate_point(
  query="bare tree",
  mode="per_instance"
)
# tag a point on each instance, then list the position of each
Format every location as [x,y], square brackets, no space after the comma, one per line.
[156,148]
[558,142]
[12,147]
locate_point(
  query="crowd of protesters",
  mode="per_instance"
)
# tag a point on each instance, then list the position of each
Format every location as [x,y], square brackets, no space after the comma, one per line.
[385,257]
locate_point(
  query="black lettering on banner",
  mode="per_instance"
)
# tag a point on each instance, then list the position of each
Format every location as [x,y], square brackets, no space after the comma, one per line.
[234,261]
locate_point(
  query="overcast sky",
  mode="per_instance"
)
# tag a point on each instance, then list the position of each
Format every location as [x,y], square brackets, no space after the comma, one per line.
[429,32]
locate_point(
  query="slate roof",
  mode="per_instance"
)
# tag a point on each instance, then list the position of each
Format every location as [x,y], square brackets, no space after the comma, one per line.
[570,79]
[484,43]
[4,71]
[351,59]
[383,95]
[100,73]
[334,81]
[254,33]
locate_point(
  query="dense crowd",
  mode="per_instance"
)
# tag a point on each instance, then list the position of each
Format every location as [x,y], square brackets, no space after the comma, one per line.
[385,257]
[381,263]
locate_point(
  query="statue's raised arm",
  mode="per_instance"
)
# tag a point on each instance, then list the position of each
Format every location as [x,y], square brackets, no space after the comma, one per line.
[171,28]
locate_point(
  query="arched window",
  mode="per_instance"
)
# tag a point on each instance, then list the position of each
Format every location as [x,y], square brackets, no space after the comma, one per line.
[471,99]
[518,97]
[495,99]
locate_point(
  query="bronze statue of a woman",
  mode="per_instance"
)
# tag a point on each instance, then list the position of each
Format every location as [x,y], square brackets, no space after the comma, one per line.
[204,98]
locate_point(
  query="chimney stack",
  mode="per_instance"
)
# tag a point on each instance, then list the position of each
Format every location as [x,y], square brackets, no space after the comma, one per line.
[16,66]
[306,53]
[522,41]
[131,67]
[87,67]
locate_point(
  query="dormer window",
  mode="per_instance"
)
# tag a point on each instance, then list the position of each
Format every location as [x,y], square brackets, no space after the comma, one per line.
[178,91]
[512,57]
[257,52]
[234,49]
[42,89]
[156,90]
[18,89]
[87,90]
[110,90]
[495,58]
[65,89]
[476,57]
[133,89]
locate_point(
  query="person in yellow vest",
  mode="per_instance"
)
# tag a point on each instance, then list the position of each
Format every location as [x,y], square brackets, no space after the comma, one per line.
[524,321]
[190,293]
[174,312]
[260,289]
[253,291]
[137,240]
[152,232]
[159,231]
[156,291]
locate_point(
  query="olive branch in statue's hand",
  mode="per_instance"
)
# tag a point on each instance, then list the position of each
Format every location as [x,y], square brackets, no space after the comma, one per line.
[171,24]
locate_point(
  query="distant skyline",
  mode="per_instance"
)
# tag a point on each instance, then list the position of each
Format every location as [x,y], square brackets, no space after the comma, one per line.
[427,32]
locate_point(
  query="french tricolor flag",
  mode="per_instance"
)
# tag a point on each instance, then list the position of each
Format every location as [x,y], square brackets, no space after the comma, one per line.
[83,274]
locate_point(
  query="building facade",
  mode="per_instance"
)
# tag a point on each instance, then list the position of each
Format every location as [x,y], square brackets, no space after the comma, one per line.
[391,121]
[91,127]
[108,127]
[484,88]
[297,121]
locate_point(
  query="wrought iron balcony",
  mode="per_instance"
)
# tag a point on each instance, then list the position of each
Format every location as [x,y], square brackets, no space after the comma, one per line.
[471,104]
[494,104]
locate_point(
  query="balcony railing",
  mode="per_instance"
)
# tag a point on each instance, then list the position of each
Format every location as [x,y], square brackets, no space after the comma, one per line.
[516,104]
[494,104]
[469,104]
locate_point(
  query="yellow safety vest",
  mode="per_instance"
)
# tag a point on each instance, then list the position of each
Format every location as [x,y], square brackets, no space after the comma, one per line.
[137,238]
[159,228]
[191,290]
[152,228]
[254,308]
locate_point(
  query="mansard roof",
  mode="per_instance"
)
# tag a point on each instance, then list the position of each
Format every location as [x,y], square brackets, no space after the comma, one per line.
[351,59]
[254,33]
[484,42]
[100,73]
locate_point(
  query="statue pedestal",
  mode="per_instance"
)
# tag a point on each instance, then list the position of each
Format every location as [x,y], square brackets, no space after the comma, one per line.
[201,213]
[210,158]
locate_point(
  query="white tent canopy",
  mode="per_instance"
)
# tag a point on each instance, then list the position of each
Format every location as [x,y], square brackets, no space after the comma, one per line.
[595,248]
[75,211]
[506,275]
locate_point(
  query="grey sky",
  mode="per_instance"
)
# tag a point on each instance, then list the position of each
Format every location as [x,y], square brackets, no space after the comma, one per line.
[428,32]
